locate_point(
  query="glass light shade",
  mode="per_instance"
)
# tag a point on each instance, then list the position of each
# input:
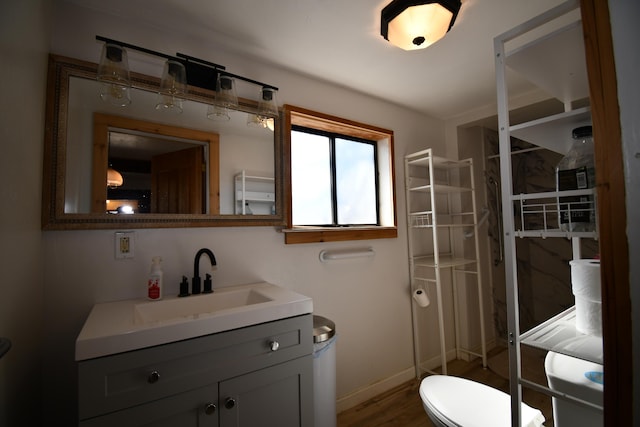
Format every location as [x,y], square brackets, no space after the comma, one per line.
[225,99]
[172,87]
[267,110]
[113,73]
[226,92]
[253,120]
[267,106]
[114,178]
[419,26]
[218,113]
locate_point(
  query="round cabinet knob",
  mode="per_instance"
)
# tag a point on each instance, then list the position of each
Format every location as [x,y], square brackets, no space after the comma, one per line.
[274,345]
[230,403]
[153,377]
[210,409]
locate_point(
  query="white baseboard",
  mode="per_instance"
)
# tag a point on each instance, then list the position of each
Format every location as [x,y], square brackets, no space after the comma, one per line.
[370,391]
[365,393]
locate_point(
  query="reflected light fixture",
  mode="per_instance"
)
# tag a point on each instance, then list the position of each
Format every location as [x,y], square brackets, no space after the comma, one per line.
[114,178]
[113,73]
[173,87]
[417,24]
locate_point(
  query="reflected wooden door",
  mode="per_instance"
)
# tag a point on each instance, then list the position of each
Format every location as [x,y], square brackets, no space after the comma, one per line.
[177,182]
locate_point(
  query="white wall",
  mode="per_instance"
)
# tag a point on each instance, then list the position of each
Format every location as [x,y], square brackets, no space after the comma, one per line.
[471,145]
[24,40]
[626,34]
[367,298]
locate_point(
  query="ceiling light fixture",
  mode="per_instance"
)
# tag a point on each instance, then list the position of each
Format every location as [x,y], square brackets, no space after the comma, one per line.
[416,24]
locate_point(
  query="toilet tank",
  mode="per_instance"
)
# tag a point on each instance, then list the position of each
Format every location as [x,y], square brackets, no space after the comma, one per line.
[577,378]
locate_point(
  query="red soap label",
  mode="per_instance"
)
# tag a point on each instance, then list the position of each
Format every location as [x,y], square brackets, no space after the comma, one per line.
[153,289]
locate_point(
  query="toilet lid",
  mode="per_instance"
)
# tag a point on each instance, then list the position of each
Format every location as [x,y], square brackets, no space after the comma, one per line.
[459,402]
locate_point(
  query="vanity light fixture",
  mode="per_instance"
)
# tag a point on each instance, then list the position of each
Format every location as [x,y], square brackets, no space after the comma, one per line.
[267,110]
[180,71]
[417,24]
[173,87]
[113,73]
[225,98]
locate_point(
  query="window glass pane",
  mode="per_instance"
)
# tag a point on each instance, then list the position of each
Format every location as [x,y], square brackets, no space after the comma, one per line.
[310,179]
[355,182]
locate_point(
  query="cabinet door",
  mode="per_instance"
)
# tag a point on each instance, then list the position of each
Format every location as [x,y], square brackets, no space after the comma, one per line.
[281,395]
[197,408]
[109,384]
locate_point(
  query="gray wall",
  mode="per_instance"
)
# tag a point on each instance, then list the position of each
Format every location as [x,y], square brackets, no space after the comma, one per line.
[24,43]
[626,33]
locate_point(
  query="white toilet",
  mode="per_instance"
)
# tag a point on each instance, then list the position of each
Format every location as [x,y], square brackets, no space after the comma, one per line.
[457,402]
[580,379]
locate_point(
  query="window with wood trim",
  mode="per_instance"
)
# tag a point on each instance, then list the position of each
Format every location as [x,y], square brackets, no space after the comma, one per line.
[341,179]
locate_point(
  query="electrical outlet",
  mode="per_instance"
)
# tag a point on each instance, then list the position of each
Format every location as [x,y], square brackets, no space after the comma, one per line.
[124,244]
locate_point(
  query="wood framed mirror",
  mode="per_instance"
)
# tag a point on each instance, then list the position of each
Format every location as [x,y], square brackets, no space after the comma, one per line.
[85,138]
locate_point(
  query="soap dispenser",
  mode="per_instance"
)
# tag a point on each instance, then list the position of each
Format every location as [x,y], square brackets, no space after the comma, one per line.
[154,284]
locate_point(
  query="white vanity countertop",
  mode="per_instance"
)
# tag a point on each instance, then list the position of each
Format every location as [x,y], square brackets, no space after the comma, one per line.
[114,327]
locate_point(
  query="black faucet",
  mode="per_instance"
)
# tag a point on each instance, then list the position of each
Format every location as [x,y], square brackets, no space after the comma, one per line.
[195,281]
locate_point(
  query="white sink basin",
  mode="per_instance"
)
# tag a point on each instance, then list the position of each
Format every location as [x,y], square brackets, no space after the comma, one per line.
[194,307]
[120,326]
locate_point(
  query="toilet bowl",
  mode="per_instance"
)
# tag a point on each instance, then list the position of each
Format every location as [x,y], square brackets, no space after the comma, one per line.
[457,402]
[580,379]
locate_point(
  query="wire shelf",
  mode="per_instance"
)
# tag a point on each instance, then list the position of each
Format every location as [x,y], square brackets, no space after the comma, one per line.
[556,214]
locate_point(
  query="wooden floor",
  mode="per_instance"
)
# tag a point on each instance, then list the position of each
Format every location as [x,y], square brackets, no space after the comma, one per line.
[401,406]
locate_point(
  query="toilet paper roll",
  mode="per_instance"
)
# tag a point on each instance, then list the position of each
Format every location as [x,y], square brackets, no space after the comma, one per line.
[585,278]
[585,284]
[420,296]
[588,317]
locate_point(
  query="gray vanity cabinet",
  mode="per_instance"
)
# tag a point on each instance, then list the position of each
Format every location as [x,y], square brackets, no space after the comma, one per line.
[255,376]
[273,396]
[189,409]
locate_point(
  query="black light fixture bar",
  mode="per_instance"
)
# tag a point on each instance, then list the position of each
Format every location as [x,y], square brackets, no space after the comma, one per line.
[138,48]
[226,73]
[200,73]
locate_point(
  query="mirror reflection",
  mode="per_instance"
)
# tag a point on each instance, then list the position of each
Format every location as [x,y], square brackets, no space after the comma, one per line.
[241,148]
[144,167]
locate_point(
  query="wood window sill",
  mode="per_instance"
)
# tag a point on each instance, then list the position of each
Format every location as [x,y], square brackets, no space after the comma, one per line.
[322,234]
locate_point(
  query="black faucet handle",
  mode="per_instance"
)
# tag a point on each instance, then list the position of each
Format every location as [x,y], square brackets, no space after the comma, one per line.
[184,287]
[208,286]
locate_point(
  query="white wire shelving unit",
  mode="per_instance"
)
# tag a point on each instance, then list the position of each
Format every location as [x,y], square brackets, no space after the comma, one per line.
[548,51]
[441,212]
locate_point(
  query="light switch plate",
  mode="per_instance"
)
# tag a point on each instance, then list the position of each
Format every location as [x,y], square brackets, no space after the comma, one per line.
[124,244]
